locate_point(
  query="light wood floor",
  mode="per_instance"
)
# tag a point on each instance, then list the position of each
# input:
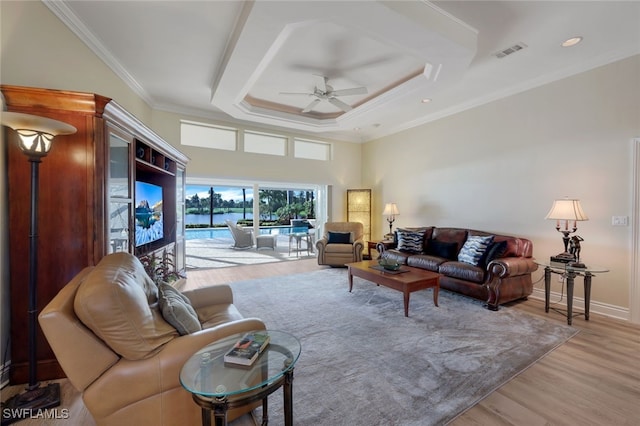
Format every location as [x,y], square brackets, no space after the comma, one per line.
[593,379]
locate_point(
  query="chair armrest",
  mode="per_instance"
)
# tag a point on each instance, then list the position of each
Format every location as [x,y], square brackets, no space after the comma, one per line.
[212,295]
[152,376]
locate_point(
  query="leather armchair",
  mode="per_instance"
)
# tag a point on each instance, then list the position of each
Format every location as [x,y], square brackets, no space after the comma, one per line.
[109,336]
[338,254]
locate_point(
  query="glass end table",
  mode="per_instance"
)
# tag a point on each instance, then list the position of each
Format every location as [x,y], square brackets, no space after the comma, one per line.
[217,386]
[570,272]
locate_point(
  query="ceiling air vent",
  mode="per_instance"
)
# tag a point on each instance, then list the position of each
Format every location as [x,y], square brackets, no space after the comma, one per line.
[509,50]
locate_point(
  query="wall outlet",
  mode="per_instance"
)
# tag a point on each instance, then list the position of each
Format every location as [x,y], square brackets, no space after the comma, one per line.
[619,220]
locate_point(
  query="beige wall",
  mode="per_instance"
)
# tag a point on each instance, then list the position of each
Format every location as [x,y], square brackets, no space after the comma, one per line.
[38,50]
[498,168]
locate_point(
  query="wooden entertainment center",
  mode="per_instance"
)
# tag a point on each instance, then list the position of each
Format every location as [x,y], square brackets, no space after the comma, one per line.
[87,202]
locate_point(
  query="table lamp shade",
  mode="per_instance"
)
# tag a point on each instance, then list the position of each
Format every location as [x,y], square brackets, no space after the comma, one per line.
[390,209]
[566,209]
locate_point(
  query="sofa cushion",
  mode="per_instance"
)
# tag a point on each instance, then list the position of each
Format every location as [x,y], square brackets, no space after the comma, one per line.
[442,249]
[474,248]
[425,261]
[410,241]
[462,271]
[119,303]
[338,237]
[177,310]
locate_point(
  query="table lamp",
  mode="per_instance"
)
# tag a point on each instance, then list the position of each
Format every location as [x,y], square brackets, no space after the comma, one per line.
[567,210]
[391,211]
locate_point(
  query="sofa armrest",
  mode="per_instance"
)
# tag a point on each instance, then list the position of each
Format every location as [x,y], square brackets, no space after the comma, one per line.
[387,245]
[212,295]
[512,266]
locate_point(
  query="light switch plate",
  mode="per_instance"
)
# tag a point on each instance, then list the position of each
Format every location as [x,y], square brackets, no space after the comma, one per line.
[620,220]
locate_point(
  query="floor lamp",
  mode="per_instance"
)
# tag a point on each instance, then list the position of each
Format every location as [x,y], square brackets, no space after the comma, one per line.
[35,136]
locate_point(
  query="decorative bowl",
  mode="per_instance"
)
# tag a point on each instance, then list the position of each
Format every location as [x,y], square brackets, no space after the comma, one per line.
[389,264]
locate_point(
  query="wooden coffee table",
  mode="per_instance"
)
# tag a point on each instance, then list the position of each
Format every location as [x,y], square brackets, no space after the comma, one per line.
[413,279]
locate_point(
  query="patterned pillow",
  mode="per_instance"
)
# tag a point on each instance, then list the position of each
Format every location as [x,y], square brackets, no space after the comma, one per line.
[410,241]
[474,248]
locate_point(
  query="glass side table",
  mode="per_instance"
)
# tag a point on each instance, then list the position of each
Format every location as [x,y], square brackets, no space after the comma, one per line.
[570,273]
[218,387]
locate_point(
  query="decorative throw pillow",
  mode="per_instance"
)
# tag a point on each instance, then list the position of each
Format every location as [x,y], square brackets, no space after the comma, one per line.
[176,309]
[339,237]
[410,241]
[442,249]
[473,249]
[494,251]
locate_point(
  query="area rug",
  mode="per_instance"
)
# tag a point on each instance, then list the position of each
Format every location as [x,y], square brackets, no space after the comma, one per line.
[364,363]
[209,253]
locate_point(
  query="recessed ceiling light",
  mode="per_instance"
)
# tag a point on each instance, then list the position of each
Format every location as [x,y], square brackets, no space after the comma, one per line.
[426,100]
[571,41]
[357,129]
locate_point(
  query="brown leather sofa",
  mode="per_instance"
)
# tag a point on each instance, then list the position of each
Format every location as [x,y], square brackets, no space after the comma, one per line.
[334,251]
[110,338]
[503,277]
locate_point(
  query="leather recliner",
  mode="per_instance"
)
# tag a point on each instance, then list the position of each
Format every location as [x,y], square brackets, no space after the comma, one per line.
[109,336]
[338,253]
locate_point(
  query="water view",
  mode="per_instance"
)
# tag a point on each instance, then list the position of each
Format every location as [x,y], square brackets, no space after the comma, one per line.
[218,218]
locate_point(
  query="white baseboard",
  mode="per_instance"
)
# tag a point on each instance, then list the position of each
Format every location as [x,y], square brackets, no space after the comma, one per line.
[595,307]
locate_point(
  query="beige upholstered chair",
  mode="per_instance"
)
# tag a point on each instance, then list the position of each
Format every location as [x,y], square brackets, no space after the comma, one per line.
[242,237]
[342,243]
[108,332]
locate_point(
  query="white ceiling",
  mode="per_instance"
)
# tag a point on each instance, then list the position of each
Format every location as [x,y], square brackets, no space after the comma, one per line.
[231,60]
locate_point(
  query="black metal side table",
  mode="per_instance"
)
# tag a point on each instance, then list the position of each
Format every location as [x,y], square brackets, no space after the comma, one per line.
[218,387]
[570,273]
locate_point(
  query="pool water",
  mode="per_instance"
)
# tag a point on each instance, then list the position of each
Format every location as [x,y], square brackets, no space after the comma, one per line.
[210,233]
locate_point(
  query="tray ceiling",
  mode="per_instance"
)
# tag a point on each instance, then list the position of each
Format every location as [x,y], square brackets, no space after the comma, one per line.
[239,61]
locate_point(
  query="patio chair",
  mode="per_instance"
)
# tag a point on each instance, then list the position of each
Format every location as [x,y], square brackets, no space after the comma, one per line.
[242,237]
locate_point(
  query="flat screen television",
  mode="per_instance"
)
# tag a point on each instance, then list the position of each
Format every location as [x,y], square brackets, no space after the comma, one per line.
[149,226]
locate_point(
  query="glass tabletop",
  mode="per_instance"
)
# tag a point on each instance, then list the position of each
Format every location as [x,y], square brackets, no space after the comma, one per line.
[206,373]
[557,266]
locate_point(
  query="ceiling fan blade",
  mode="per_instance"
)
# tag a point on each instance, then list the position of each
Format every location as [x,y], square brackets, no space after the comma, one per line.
[296,93]
[348,92]
[311,105]
[321,82]
[340,104]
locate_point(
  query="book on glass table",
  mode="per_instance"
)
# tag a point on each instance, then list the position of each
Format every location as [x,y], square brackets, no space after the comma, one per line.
[246,350]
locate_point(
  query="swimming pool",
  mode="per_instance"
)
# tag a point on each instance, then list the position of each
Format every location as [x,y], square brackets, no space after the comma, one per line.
[210,233]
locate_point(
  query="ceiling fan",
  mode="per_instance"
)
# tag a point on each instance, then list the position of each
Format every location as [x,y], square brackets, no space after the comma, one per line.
[325,92]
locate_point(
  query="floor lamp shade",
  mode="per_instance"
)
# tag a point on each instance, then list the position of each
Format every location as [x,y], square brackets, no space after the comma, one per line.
[35,137]
[359,209]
